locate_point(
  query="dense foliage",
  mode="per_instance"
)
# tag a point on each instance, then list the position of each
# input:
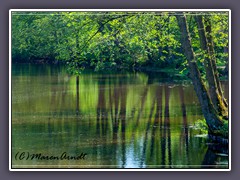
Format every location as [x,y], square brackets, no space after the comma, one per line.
[111,40]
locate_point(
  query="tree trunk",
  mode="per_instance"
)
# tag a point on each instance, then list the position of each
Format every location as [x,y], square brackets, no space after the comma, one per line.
[209,112]
[215,95]
[213,58]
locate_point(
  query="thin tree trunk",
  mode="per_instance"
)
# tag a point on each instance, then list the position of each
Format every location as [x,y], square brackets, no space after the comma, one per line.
[209,112]
[211,76]
[213,58]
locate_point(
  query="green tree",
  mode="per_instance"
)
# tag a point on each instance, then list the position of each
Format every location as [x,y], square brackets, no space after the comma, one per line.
[209,62]
[213,120]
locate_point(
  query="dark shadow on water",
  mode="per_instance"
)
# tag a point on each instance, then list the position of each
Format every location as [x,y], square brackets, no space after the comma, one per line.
[167,124]
[102,114]
[157,120]
[166,132]
[77,98]
[144,154]
[214,154]
[123,105]
[185,133]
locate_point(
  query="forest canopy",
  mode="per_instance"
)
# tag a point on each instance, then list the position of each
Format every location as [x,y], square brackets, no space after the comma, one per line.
[112,40]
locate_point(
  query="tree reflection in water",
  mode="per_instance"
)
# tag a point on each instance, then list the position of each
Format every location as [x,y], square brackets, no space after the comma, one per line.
[121,120]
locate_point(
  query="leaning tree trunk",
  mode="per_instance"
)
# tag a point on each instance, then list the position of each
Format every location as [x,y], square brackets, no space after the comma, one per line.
[215,95]
[214,122]
[213,58]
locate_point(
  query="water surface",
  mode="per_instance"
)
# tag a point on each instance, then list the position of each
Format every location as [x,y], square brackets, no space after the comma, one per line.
[119,120]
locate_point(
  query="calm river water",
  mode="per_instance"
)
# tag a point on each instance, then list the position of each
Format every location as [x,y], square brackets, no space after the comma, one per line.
[118,120]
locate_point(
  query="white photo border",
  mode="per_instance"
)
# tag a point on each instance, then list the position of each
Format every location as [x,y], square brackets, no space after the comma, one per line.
[112,10]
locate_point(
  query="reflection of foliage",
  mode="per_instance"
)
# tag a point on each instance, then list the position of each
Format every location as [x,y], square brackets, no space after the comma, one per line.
[202,126]
[125,96]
